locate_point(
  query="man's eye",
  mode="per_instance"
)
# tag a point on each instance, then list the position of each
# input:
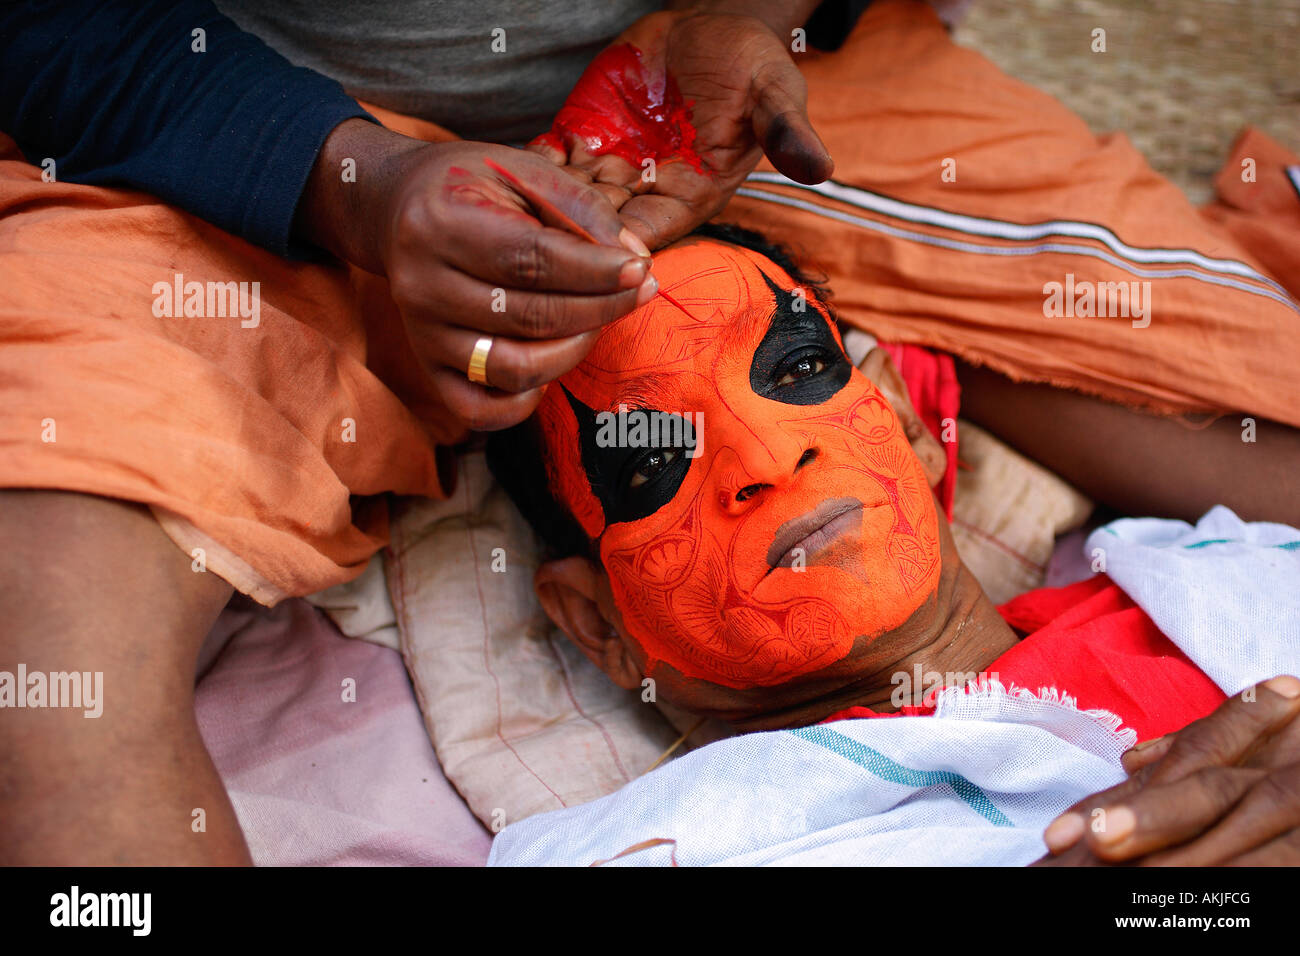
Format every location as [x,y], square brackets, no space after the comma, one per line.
[651,465]
[805,367]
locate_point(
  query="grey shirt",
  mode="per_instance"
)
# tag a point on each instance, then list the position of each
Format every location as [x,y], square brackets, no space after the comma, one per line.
[435,59]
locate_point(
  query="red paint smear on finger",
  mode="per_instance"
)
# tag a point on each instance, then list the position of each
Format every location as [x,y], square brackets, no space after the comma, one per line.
[619,108]
[539,201]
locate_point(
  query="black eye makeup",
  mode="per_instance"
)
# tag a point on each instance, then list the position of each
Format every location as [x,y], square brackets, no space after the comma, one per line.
[798,362]
[635,460]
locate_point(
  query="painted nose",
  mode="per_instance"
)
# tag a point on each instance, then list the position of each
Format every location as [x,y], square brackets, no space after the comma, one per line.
[738,502]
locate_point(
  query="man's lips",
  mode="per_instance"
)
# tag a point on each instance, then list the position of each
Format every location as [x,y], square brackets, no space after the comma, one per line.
[814,530]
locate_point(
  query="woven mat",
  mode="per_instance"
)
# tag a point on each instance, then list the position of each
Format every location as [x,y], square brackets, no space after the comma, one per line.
[1179,77]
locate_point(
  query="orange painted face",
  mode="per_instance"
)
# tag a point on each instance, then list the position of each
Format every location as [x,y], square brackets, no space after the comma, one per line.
[799,520]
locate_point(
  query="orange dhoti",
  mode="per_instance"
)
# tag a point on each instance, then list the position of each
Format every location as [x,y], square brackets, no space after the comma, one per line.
[256,404]
[262,407]
[963,200]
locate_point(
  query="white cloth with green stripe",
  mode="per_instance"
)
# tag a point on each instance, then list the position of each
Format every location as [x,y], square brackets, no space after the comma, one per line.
[974,784]
[1225,591]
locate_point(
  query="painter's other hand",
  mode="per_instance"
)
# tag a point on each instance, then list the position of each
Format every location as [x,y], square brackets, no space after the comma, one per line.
[478,241]
[1224,790]
[670,119]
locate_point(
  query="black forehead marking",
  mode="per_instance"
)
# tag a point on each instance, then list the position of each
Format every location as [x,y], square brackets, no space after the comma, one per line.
[793,334]
[588,448]
[609,468]
[785,298]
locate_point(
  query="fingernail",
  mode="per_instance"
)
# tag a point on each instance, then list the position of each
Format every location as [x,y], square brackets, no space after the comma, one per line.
[633,271]
[1120,822]
[1147,743]
[649,289]
[632,243]
[1064,832]
[1285,685]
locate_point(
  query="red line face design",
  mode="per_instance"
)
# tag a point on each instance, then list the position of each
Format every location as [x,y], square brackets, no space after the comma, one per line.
[799,522]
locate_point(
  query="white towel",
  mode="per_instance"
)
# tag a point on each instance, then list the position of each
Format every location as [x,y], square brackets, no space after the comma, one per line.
[1226,591]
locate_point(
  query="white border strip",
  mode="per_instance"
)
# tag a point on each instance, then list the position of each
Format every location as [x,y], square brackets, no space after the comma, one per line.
[996,228]
[1280,296]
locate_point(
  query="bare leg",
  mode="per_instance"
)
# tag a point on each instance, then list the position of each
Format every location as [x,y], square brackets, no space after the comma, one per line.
[1137,463]
[94,584]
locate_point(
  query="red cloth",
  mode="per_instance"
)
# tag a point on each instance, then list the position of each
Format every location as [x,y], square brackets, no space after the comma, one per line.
[931,380]
[1090,641]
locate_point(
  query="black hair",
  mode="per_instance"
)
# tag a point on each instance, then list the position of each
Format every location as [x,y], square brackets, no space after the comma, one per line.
[516,455]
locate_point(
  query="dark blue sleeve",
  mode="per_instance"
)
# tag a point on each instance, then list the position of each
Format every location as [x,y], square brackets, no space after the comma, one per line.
[116,94]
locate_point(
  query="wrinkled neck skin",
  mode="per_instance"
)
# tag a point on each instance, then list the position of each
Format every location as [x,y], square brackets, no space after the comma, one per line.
[956,630]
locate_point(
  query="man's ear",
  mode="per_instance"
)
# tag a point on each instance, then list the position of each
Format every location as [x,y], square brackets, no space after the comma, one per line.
[880,368]
[569,590]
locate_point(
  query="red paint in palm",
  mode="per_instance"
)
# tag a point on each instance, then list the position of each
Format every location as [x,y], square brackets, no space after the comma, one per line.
[624,107]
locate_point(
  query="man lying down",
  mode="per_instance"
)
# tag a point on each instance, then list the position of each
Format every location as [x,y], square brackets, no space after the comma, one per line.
[778,561]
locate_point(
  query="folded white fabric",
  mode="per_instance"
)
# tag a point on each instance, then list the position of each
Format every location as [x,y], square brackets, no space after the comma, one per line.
[1225,591]
[976,783]
[971,785]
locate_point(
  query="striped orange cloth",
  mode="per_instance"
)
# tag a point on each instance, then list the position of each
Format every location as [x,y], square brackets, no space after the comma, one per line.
[960,194]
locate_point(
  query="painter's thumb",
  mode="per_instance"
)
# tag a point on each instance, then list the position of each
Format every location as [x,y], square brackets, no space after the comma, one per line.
[781,123]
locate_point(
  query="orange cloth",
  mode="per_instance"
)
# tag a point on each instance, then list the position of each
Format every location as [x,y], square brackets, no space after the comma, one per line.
[236,436]
[956,265]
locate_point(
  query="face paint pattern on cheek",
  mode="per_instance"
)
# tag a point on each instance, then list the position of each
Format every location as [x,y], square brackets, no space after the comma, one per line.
[692,580]
[680,600]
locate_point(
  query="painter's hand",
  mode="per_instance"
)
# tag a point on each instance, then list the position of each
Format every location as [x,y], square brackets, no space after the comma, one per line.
[625,126]
[472,251]
[1223,790]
